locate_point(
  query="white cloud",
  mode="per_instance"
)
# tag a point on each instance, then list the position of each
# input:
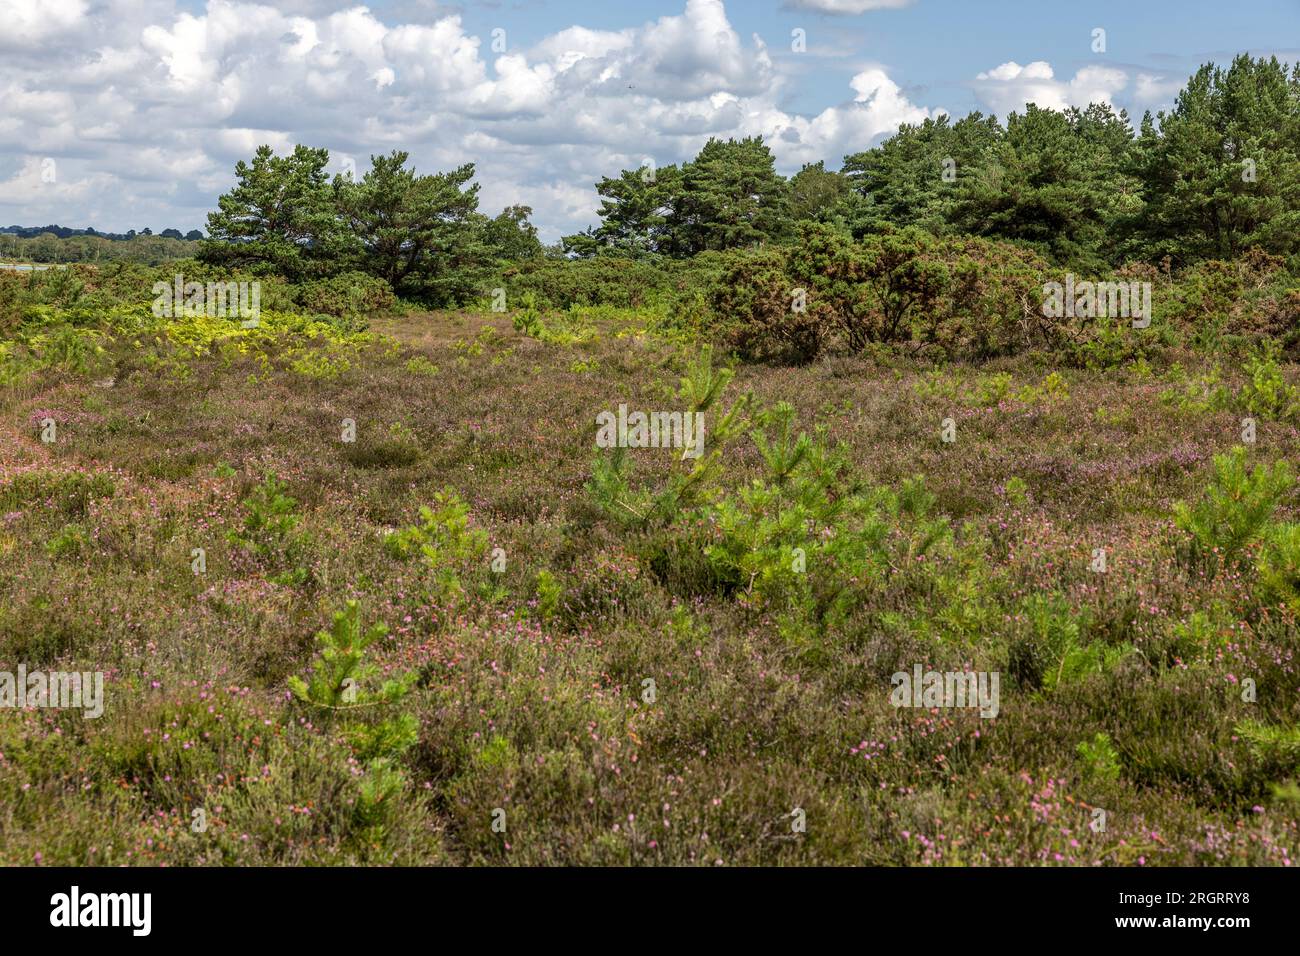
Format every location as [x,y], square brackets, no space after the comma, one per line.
[848,7]
[39,181]
[1156,91]
[152,105]
[36,21]
[1009,87]
[876,111]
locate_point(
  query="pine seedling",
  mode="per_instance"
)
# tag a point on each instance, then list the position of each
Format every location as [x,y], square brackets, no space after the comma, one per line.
[341,671]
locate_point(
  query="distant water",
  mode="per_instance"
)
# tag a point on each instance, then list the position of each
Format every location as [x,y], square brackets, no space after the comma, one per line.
[22,266]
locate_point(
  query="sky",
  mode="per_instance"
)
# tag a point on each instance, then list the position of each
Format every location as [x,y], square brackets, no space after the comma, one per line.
[126,114]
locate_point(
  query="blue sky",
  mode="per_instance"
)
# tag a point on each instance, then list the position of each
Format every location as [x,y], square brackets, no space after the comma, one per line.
[142,107]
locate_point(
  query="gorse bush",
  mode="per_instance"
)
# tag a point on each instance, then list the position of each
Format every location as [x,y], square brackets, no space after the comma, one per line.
[560,284]
[906,282]
[753,310]
[955,298]
[349,294]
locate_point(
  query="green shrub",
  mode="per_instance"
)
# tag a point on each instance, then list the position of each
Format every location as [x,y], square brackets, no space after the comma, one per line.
[907,278]
[338,686]
[1278,748]
[994,389]
[549,592]
[1201,635]
[1203,393]
[71,540]
[1108,342]
[269,530]
[1080,661]
[445,539]
[603,280]
[1050,631]
[569,327]
[1234,510]
[1266,393]
[806,538]
[957,297]
[699,391]
[754,308]
[1278,567]
[1100,758]
[348,294]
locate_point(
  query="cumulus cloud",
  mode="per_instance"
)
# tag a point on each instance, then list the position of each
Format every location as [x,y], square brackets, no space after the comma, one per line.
[1009,87]
[877,110]
[150,105]
[37,21]
[41,183]
[1152,90]
[847,7]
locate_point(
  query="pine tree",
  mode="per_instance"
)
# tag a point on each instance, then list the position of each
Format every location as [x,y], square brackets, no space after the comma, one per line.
[280,214]
[1223,173]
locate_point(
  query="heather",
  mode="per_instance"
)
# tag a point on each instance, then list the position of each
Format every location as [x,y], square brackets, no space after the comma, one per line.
[615,649]
[376,576]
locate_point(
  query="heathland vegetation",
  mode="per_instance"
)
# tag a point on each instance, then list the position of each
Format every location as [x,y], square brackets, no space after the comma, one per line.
[379,570]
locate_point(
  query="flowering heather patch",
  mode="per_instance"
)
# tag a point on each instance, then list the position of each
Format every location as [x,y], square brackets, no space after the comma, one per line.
[572,684]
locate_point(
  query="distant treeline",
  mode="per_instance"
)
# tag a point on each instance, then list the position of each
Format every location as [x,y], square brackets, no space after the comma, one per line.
[30,245]
[64,232]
